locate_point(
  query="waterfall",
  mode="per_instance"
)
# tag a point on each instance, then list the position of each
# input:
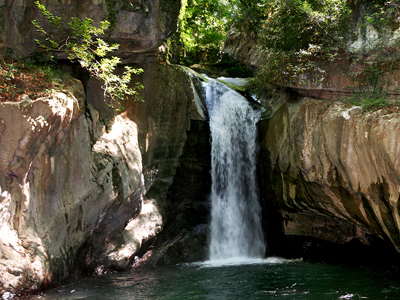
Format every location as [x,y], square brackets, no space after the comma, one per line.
[236,214]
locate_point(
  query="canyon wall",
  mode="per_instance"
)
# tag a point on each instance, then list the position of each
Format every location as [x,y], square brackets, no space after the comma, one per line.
[328,172]
[334,171]
[63,176]
[84,191]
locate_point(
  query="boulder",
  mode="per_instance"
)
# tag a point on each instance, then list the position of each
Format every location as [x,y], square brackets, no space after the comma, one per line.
[64,175]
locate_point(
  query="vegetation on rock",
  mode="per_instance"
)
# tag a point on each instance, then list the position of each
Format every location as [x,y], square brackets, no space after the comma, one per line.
[305,38]
[81,41]
[18,79]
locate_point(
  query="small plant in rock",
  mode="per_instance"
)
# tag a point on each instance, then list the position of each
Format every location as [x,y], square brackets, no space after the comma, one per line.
[81,41]
[369,100]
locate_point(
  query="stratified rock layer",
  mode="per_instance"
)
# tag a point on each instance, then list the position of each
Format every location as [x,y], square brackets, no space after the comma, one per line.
[334,171]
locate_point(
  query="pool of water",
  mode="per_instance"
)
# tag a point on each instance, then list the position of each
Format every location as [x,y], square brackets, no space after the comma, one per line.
[272,278]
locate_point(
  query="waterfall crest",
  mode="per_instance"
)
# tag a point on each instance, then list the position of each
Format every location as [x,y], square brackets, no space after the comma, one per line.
[236,230]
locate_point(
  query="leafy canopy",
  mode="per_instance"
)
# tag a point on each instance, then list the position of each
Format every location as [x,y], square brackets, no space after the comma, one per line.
[203,25]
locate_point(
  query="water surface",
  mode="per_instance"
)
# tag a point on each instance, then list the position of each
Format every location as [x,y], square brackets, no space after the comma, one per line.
[268,279]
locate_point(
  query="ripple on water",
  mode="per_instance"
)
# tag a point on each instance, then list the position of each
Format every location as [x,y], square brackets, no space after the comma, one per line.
[272,278]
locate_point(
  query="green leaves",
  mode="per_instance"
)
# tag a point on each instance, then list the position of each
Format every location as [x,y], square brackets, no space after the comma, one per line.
[78,40]
[203,24]
[295,24]
[301,37]
[55,21]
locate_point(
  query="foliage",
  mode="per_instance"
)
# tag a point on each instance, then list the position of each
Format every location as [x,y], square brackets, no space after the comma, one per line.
[368,70]
[80,41]
[299,35]
[202,28]
[381,15]
[17,79]
[249,14]
[372,99]
[292,25]
[294,67]
[304,38]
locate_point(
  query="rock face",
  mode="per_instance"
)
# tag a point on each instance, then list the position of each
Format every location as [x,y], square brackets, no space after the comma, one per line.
[244,47]
[63,177]
[174,143]
[334,172]
[140,25]
[86,190]
[327,172]
[74,176]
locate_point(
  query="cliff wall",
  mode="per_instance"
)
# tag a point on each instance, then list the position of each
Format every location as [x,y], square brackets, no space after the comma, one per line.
[335,164]
[62,175]
[330,172]
[86,191]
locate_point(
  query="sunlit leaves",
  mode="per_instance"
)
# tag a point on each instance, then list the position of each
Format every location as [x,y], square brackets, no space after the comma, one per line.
[204,23]
[294,24]
[78,40]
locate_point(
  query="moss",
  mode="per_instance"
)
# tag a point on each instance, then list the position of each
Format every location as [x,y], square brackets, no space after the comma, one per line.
[234,87]
[194,73]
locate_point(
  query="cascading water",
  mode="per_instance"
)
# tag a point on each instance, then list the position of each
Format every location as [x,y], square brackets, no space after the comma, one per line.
[236,231]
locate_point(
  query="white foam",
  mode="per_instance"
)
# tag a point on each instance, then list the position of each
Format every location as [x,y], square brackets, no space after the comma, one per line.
[236,229]
[237,261]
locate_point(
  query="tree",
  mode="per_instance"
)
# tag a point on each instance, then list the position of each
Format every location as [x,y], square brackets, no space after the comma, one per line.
[203,25]
[81,42]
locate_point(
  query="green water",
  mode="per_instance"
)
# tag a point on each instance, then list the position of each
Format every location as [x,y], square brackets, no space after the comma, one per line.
[273,279]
